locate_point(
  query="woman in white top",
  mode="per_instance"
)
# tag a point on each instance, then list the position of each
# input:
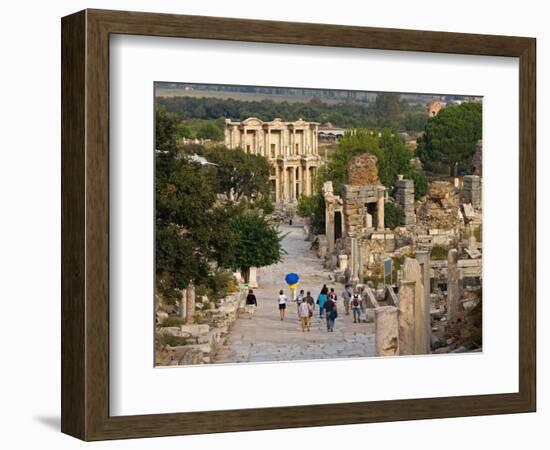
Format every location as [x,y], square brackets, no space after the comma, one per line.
[281,300]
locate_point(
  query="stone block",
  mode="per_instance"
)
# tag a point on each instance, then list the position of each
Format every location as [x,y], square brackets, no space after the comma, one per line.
[195,329]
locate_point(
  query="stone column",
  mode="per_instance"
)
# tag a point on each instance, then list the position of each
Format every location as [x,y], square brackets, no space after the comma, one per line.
[277,184]
[412,271]
[329,228]
[308,181]
[268,146]
[472,190]
[284,183]
[290,183]
[355,262]
[386,331]
[190,310]
[452,284]
[380,209]
[315,141]
[243,140]
[183,304]
[406,317]
[425,325]
[252,278]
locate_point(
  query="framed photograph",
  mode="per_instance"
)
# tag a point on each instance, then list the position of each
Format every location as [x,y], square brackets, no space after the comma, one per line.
[273,225]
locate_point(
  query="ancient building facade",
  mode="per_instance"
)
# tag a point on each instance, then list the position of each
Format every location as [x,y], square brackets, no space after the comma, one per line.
[354,222]
[291,147]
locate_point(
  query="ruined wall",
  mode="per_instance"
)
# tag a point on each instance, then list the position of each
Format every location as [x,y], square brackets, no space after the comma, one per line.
[472,190]
[362,170]
[404,197]
[355,198]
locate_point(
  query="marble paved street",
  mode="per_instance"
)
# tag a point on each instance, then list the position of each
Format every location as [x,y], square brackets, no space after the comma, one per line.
[267,338]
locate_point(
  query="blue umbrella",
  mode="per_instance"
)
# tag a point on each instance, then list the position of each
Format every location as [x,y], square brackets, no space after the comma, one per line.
[292,278]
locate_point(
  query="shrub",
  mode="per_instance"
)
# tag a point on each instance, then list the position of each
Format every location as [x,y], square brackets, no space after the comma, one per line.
[172,321]
[393,216]
[438,252]
[420,184]
[265,204]
[173,341]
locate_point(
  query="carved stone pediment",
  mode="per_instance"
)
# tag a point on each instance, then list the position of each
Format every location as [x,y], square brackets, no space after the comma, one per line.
[252,121]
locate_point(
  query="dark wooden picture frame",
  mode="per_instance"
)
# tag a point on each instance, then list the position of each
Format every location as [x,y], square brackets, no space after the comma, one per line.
[85,224]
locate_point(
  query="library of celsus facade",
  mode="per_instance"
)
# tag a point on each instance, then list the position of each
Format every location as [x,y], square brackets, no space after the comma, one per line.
[291,147]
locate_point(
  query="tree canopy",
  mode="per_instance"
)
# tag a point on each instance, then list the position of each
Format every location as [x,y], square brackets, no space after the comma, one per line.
[450,137]
[387,111]
[258,243]
[388,107]
[209,130]
[392,154]
[197,230]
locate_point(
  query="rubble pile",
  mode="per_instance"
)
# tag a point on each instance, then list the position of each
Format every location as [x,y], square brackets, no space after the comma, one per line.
[463,334]
[441,210]
[197,343]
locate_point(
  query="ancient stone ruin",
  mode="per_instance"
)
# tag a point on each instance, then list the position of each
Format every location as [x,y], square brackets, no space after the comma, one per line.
[436,255]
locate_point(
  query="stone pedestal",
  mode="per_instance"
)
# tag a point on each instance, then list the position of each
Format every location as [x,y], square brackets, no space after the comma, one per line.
[252,278]
[386,331]
[342,263]
[407,317]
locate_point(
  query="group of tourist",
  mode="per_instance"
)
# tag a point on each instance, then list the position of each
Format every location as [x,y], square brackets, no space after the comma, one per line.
[327,300]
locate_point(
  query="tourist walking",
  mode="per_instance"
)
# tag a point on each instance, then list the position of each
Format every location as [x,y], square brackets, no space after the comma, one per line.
[332,295]
[311,301]
[356,306]
[281,301]
[251,303]
[321,300]
[305,312]
[299,300]
[347,298]
[331,313]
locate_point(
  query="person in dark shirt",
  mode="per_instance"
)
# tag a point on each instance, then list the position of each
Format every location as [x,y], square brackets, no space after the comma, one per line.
[331,313]
[251,303]
[311,301]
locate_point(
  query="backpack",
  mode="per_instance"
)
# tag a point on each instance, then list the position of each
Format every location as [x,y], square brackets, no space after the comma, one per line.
[355,301]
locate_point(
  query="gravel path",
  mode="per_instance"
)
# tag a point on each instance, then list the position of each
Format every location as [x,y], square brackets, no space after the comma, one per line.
[266,338]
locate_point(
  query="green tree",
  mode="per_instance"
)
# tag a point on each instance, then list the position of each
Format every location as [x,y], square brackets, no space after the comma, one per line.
[209,130]
[313,208]
[265,204]
[420,183]
[395,158]
[184,199]
[166,130]
[393,216]
[239,174]
[414,120]
[450,138]
[352,143]
[258,243]
[388,108]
